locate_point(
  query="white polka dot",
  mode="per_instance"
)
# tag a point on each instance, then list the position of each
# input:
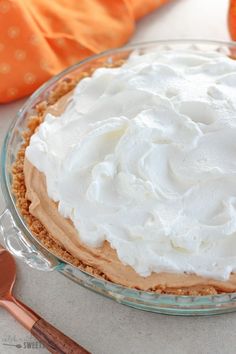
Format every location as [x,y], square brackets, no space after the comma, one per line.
[5,68]
[13,32]
[12,91]
[44,64]
[29,78]
[34,39]
[4,6]
[20,54]
[2,46]
[60,42]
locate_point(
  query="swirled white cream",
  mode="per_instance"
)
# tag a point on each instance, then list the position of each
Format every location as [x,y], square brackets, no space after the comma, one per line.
[144,156]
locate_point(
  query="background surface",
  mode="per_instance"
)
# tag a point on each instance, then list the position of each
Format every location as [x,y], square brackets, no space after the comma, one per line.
[101,325]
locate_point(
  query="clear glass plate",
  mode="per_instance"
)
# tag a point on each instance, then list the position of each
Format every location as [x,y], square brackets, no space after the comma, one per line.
[20,241]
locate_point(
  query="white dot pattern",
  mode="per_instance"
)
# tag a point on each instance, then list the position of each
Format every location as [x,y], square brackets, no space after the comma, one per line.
[34,39]
[13,32]
[20,54]
[5,68]
[4,6]
[12,92]
[29,78]
[44,64]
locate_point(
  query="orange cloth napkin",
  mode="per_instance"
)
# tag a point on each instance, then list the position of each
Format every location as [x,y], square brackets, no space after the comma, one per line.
[232,19]
[39,38]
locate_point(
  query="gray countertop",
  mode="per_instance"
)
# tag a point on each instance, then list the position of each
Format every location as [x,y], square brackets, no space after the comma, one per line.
[99,324]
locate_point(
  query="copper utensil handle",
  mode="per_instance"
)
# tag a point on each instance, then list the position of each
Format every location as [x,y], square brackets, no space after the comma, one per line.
[20,311]
[54,340]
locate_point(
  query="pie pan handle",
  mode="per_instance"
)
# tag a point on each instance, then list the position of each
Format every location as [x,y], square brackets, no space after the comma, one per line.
[20,246]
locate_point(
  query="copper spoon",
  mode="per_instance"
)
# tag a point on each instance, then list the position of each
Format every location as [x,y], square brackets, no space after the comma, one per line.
[49,336]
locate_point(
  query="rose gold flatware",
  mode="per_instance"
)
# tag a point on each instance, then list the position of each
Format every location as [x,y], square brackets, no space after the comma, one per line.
[49,336]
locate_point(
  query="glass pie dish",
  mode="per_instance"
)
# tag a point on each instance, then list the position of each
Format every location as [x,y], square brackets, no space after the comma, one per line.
[20,241]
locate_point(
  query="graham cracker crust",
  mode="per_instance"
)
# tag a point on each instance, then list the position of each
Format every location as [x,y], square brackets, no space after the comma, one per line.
[38,229]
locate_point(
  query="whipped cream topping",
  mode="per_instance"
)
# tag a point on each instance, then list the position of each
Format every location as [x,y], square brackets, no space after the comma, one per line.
[144,156]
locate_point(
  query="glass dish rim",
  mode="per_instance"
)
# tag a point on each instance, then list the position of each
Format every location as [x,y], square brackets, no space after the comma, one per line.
[11,205]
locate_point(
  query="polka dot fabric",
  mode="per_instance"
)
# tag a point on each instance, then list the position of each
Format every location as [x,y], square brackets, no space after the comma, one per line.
[39,38]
